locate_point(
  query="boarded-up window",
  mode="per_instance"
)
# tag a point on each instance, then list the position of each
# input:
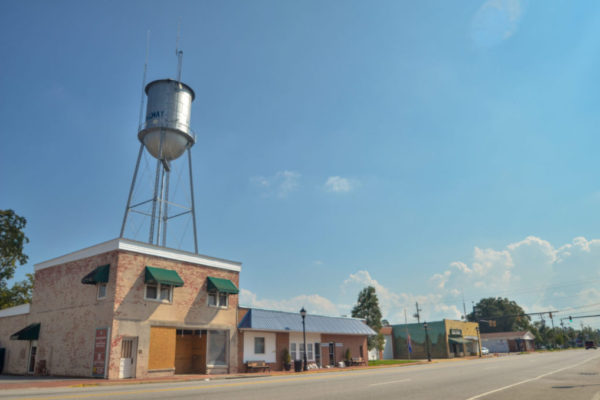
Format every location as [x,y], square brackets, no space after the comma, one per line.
[162,348]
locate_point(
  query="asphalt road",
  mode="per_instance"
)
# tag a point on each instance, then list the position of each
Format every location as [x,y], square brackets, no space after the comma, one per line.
[559,375]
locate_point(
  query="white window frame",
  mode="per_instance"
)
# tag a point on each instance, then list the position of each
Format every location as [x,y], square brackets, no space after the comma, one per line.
[293,351]
[264,344]
[158,286]
[217,295]
[100,296]
[310,350]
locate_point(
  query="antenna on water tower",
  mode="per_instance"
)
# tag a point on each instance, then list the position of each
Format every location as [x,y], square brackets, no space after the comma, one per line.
[166,135]
[178,53]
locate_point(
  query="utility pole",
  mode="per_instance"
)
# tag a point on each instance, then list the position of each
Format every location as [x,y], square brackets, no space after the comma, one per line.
[553,331]
[417,315]
[408,345]
[464,306]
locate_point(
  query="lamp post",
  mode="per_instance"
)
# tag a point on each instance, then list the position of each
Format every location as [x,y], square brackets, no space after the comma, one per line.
[303,314]
[427,341]
[478,339]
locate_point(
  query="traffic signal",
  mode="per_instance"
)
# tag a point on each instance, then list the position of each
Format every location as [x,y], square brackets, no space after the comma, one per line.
[570,319]
[550,315]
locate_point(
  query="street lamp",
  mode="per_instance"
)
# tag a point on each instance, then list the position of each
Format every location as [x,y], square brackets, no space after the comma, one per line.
[303,314]
[478,339]
[427,340]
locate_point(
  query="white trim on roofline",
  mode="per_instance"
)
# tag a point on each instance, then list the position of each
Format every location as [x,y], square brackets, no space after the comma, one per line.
[16,310]
[141,248]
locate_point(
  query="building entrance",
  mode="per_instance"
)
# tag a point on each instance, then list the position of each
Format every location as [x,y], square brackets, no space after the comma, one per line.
[190,351]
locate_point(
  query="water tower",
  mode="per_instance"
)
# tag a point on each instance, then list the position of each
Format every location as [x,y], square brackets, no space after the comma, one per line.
[166,135]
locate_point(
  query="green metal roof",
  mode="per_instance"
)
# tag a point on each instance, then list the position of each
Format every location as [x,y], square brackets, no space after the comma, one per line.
[221,285]
[99,275]
[164,276]
[30,332]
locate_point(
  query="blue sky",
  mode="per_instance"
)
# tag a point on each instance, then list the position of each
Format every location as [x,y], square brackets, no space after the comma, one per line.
[432,148]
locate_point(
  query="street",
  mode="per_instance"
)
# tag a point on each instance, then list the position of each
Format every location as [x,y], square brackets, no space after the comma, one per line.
[558,375]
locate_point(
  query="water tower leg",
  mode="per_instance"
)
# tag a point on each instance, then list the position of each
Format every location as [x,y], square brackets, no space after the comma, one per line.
[135,172]
[154,201]
[193,202]
[161,204]
[166,210]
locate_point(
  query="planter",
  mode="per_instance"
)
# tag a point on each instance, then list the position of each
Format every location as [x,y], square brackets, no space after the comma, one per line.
[287,366]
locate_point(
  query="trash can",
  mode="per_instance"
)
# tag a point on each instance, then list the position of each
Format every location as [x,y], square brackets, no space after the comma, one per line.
[297,365]
[2,354]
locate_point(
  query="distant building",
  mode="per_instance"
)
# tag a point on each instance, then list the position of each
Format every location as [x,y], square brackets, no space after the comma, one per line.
[447,339]
[508,342]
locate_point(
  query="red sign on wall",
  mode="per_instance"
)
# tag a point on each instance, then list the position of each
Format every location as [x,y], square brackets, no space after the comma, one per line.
[100,346]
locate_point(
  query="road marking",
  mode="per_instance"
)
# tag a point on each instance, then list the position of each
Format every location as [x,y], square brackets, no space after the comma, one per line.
[387,383]
[530,380]
[596,396]
[491,368]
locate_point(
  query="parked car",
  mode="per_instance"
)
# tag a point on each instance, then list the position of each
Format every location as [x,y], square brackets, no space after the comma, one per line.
[590,345]
[485,351]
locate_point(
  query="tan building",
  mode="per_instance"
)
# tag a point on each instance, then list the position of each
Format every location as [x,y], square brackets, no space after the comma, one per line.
[126,309]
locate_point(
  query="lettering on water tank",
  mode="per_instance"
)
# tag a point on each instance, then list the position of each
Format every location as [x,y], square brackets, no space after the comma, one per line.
[154,114]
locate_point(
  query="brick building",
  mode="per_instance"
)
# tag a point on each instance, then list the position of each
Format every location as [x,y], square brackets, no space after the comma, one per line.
[264,334]
[126,309]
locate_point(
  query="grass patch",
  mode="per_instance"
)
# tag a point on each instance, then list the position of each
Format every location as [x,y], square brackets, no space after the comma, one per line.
[390,362]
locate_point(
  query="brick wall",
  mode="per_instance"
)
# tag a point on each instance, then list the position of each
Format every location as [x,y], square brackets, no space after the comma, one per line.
[134,316]
[69,313]
[15,361]
[352,342]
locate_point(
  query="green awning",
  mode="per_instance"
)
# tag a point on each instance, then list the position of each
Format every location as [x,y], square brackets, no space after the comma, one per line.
[164,276]
[221,285]
[459,340]
[31,332]
[99,275]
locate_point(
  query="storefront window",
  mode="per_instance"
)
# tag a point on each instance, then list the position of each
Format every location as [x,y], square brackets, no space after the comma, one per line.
[293,351]
[217,347]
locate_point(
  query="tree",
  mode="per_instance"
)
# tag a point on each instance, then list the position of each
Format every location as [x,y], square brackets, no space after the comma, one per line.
[506,315]
[20,293]
[12,242]
[367,307]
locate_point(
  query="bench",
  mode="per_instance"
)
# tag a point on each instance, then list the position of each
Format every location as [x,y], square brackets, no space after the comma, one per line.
[257,366]
[357,361]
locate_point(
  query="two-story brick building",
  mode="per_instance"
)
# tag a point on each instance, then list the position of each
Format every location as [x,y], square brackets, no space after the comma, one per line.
[126,309]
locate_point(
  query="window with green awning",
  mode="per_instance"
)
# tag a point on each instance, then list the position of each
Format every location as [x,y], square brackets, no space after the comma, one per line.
[30,332]
[163,276]
[99,275]
[221,285]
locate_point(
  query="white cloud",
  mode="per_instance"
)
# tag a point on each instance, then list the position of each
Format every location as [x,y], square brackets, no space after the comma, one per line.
[496,21]
[533,272]
[280,185]
[337,184]
[313,303]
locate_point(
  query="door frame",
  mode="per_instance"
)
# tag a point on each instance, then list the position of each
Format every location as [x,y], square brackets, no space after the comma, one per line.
[32,344]
[134,346]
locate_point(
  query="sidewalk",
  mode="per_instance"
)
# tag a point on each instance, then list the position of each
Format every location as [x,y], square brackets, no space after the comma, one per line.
[22,382]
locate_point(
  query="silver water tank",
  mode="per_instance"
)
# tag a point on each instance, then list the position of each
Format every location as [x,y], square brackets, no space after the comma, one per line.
[168,112]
